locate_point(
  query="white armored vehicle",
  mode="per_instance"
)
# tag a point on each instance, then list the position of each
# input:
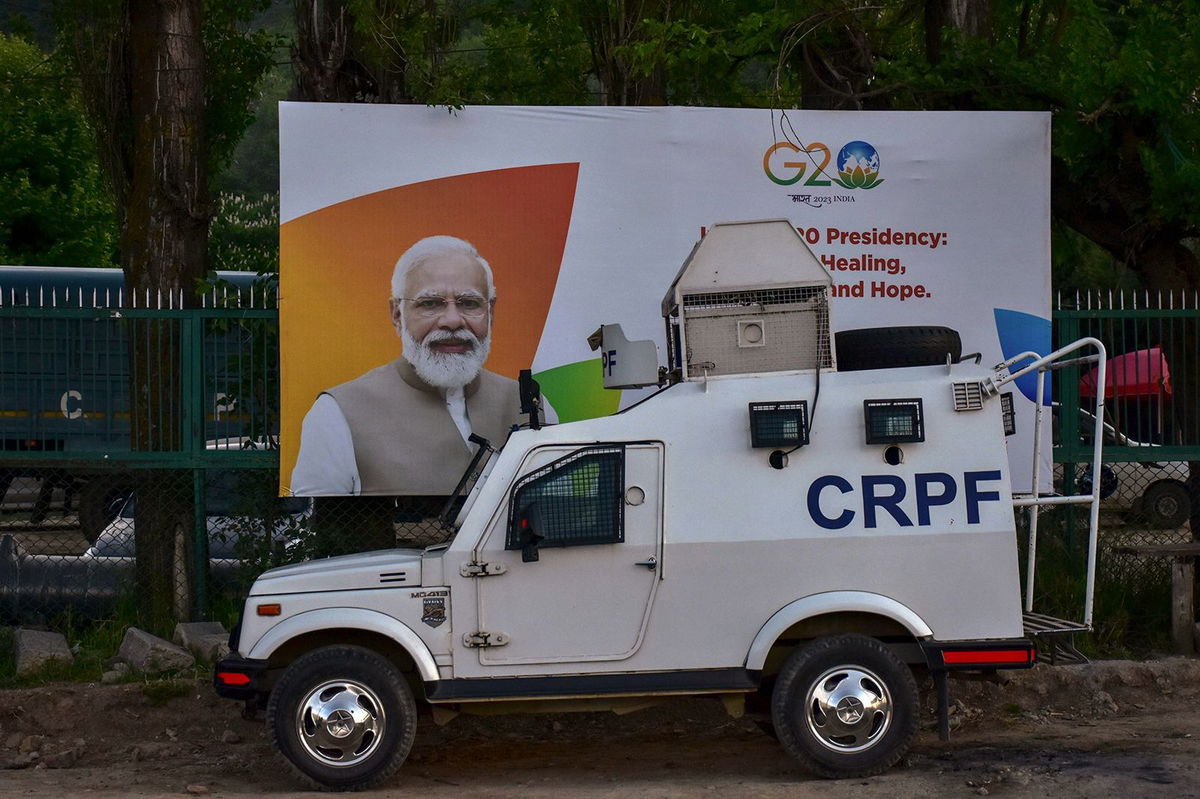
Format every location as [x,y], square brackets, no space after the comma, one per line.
[794,515]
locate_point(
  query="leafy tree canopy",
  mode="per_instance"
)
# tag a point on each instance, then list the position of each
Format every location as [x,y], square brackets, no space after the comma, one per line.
[54,208]
[1123,82]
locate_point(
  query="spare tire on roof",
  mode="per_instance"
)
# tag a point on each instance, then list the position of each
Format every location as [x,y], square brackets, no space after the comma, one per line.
[888,347]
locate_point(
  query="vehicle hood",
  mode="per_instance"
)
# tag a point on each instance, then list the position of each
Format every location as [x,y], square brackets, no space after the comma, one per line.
[389,568]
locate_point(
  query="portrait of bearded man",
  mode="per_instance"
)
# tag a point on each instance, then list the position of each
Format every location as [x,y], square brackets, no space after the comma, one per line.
[403,428]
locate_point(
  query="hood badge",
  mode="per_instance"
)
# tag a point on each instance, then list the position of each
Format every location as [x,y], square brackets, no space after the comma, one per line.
[435,611]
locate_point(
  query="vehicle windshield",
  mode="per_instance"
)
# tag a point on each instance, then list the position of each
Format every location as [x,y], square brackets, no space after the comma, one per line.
[468,488]
[1111,434]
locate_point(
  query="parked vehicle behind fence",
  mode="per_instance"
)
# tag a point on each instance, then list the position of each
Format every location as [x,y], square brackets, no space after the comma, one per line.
[240,544]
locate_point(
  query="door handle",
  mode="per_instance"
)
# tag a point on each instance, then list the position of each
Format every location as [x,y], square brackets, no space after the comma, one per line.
[650,563]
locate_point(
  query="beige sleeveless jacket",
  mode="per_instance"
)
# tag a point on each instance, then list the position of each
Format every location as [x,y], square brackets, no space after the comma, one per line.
[405,442]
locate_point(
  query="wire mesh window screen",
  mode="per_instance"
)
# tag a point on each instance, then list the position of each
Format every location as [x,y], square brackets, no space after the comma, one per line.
[577,500]
[1008,413]
[894,421]
[778,424]
[754,298]
[788,336]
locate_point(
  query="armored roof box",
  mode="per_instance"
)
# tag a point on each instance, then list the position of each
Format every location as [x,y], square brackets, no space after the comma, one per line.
[750,298]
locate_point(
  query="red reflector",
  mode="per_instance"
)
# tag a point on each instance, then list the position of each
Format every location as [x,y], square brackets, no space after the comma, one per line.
[987,656]
[233,678]
[273,609]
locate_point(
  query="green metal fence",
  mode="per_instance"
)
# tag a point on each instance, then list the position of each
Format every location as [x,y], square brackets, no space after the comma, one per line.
[1152,435]
[114,418]
[138,457]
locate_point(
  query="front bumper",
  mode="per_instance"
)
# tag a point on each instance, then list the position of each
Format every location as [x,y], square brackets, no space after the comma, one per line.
[240,678]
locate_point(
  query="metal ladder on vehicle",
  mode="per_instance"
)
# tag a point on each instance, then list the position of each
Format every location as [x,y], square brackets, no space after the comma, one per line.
[1057,635]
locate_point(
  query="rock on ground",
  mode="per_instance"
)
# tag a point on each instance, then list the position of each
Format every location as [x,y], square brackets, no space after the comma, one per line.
[207,640]
[67,758]
[149,653]
[35,648]
[115,674]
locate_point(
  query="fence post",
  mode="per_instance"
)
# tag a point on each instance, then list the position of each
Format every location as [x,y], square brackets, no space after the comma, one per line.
[1067,396]
[1183,613]
[191,369]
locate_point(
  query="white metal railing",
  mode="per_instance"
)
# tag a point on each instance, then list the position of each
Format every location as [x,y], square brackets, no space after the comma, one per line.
[1034,501]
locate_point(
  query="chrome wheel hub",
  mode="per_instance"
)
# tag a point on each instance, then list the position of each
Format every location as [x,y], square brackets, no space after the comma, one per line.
[848,709]
[340,722]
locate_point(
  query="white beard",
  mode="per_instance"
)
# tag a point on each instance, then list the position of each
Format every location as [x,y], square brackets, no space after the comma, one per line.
[445,370]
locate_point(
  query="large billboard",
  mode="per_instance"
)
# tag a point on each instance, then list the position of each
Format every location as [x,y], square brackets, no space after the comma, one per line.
[582,216]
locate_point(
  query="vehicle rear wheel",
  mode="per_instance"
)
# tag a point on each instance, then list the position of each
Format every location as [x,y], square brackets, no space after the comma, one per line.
[845,706]
[888,347]
[1166,506]
[343,717]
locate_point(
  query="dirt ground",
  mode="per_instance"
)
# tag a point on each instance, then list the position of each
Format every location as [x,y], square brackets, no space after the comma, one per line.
[1109,729]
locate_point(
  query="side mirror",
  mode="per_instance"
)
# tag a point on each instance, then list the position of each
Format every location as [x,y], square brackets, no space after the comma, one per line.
[531,523]
[531,398]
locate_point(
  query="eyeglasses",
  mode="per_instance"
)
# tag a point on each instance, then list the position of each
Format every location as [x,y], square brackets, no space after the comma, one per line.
[468,305]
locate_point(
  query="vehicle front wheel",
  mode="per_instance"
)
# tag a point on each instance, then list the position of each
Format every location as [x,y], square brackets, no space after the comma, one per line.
[845,706]
[343,717]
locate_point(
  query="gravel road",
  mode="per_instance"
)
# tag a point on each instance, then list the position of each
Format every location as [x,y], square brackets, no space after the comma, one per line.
[1111,729]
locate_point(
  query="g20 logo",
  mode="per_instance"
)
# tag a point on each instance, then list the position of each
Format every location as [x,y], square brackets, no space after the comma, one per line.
[857,164]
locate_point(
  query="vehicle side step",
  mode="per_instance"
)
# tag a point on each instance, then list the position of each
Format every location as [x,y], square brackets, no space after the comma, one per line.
[1055,638]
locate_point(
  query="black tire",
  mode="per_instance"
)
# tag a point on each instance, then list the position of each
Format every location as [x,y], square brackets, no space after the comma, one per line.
[888,347]
[864,680]
[100,501]
[1166,506]
[348,686]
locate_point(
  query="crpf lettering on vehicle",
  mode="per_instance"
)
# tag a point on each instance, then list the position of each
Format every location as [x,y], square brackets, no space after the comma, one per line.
[886,492]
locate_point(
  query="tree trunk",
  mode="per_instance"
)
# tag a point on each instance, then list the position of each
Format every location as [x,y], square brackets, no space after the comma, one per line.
[334,65]
[163,251]
[611,26]
[972,18]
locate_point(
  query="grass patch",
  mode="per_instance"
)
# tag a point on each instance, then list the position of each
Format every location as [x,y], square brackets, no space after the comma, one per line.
[159,692]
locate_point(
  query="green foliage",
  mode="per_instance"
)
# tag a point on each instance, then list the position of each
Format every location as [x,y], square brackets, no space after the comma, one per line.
[1078,264]
[54,209]
[1120,80]
[237,58]
[266,530]
[516,59]
[244,236]
[253,170]
[713,57]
